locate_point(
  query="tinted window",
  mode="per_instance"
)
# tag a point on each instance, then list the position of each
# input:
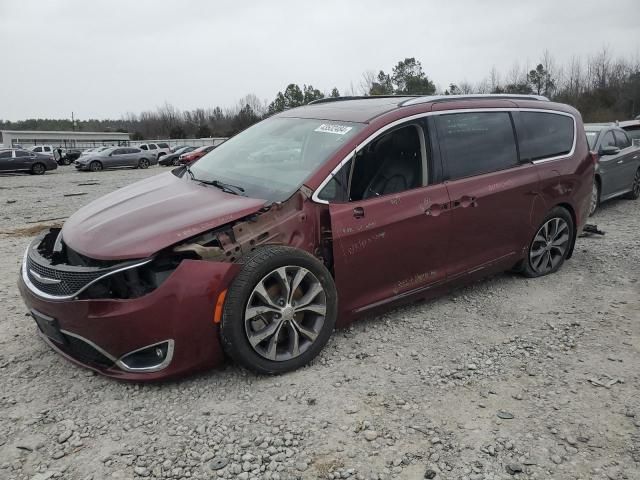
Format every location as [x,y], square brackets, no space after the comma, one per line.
[544,135]
[608,140]
[37,149]
[47,149]
[119,151]
[163,145]
[143,147]
[5,154]
[622,140]
[475,143]
[133,150]
[22,153]
[152,146]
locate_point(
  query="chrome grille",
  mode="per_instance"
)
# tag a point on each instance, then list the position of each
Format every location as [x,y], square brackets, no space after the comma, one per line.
[70,282]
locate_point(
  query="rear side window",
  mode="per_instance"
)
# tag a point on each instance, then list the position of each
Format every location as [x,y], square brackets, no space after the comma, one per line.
[163,145]
[476,143]
[622,140]
[143,147]
[152,147]
[22,153]
[544,135]
[5,154]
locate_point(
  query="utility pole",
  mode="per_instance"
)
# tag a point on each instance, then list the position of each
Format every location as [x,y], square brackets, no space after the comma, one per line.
[73,123]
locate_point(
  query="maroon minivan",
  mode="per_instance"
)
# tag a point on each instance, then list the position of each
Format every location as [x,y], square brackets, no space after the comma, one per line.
[305,221]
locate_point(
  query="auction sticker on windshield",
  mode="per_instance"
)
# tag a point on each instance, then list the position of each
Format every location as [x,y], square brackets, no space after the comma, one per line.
[333,128]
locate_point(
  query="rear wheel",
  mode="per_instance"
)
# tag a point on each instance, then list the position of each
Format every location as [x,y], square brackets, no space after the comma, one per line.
[279,311]
[175,162]
[143,163]
[595,197]
[66,161]
[634,194]
[95,166]
[550,245]
[38,168]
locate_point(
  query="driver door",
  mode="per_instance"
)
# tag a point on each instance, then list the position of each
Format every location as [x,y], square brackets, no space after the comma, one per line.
[390,238]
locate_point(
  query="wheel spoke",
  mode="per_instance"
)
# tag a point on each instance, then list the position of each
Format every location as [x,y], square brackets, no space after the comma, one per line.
[295,340]
[281,274]
[264,295]
[305,332]
[537,252]
[272,350]
[295,283]
[309,296]
[252,312]
[270,330]
[313,307]
[559,241]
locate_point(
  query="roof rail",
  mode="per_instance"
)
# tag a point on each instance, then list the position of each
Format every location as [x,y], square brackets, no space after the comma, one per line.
[357,97]
[477,96]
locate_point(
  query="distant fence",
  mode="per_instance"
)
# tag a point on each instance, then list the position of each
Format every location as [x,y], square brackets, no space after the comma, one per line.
[84,144]
[174,142]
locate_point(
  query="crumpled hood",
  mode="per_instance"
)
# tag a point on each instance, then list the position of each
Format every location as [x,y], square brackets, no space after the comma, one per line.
[138,220]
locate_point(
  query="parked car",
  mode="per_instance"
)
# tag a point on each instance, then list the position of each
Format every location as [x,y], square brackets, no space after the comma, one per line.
[618,169]
[43,149]
[390,200]
[156,149]
[174,158]
[192,156]
[116,157]
[17,159]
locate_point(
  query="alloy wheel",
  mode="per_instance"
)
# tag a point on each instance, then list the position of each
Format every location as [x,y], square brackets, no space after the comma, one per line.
[550,245]
[285,313]
[38,169]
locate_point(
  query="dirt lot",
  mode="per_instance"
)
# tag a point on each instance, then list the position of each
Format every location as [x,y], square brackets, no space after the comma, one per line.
[510,378]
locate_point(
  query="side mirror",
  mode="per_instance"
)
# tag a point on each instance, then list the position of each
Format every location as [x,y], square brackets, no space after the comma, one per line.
[609,150]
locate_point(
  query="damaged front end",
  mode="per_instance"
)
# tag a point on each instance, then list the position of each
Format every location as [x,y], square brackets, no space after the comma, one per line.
[53,270]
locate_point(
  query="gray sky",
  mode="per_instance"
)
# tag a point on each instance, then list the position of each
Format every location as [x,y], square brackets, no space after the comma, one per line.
[102,59]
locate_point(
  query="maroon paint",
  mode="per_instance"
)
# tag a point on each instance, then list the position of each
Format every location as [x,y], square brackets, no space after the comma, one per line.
[147,216]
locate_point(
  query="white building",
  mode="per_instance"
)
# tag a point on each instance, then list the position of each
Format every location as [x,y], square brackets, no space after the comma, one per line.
[29,138]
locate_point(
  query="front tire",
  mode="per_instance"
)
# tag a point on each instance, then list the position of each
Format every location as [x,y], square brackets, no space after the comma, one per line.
[38,169]
[634,194]
[550,245]
[176,162]
[143,163]
[279,311]
[95,166]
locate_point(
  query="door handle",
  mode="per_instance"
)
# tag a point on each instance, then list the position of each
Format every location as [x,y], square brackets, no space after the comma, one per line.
[358,212]
[436,209]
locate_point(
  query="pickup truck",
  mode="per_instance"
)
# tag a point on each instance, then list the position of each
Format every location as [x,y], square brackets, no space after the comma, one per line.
[618,169]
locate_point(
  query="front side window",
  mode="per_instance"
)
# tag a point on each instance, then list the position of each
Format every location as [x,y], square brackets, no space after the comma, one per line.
[152,147]
[271,159]
[544,135]
[633,134]
[37,149]
[390,164]
[22,153]
[143,147]
[622,141]
[608,140]
[476,143]
[163,145]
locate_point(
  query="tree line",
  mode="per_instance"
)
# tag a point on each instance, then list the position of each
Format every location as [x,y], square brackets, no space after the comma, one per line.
[602,87]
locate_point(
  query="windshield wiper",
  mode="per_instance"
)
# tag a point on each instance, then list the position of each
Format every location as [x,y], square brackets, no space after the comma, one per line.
[225,187]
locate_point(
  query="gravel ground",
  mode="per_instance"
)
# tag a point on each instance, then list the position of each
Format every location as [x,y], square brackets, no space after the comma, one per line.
[509,378]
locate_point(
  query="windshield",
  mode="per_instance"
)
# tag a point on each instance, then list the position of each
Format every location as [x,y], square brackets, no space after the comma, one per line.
[591,138]
[274,157]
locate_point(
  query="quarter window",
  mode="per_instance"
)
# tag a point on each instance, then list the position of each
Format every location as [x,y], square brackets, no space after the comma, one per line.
[476,143]
[544,135]
[622,140]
